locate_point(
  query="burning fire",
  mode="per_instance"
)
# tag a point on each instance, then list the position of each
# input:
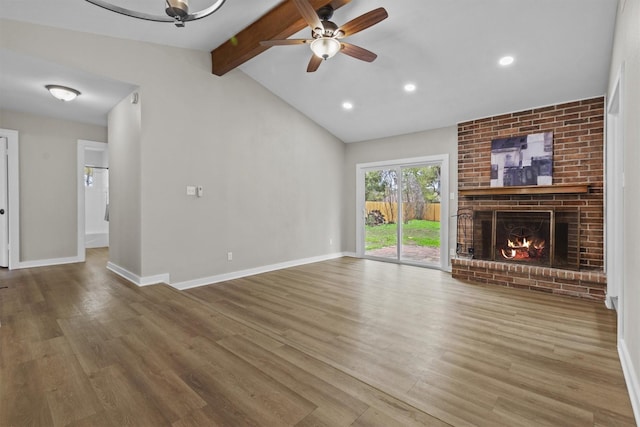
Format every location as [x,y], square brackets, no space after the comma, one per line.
[523,249]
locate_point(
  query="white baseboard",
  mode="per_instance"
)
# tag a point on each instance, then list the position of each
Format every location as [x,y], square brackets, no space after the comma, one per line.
[631,377]
[138,280]
[48,262]
[253,271]
[96,240]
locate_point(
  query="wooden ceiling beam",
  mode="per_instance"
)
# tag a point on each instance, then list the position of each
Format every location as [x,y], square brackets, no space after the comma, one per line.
[281,22]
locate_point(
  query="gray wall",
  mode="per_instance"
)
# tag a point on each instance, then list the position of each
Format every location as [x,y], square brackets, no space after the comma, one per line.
[626,50]
[125,176]
[48,182]
[428,143]
[271,177]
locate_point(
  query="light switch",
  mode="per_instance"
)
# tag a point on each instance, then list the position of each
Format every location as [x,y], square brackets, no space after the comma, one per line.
[191,190]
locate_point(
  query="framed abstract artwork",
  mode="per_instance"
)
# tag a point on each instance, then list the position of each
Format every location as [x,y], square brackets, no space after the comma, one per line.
[522,160]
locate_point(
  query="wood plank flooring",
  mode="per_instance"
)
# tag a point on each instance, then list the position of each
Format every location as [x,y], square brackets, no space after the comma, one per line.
[347,342]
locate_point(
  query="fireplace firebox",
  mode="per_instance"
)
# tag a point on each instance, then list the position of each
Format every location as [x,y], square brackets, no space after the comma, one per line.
[541,238]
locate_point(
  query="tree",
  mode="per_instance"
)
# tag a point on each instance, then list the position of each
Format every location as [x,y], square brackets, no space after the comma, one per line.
[421,187]
[381,186]
[374,186]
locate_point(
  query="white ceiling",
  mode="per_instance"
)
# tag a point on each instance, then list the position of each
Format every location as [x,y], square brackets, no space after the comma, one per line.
[448,48]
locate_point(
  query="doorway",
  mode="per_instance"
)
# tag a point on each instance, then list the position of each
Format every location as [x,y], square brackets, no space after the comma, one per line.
[9,200]
[403,211]
[93,195]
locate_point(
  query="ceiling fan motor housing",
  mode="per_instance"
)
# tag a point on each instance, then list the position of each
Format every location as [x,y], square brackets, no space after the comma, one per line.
[328,27]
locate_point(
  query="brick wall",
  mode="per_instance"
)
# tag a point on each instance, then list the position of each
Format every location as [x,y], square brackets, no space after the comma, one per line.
[578,158]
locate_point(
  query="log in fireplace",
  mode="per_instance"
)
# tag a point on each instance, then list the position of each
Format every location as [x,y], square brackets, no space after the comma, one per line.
[534,237]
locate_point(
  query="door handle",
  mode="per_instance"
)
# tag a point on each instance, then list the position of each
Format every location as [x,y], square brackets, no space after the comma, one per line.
[1,211]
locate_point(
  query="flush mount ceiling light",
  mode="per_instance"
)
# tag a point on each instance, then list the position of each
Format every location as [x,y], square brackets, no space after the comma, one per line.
[506,60]
[62,93]
[177,11]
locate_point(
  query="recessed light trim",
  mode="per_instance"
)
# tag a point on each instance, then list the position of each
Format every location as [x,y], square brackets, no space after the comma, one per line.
[410,87]
[506,60]
[347,105]
[63,93]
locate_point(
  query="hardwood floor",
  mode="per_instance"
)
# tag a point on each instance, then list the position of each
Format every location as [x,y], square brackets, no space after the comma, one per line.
[346,342]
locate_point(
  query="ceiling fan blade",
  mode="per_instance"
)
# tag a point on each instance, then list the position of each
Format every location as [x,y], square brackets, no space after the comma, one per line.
[362,22]
[358,52]
[309,14]
[284,42]
[314,63]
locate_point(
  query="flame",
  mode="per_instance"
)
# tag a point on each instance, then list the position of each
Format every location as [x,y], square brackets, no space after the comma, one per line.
[523,249]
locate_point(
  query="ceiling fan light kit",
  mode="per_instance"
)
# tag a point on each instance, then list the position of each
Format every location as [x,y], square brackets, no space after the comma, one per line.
[177,11]
[325,42]
[325,47]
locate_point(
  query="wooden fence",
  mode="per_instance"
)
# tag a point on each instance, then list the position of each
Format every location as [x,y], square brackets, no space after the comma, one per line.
[431,211]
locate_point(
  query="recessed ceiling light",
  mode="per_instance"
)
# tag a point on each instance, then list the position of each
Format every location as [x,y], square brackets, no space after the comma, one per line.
[409,87]
[62,93]
[347,105]
[506,60]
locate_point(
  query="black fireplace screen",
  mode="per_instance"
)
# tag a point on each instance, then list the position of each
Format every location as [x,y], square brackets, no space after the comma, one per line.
[546,238]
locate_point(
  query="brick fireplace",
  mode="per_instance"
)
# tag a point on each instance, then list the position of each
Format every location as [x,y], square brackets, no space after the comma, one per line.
[569,258]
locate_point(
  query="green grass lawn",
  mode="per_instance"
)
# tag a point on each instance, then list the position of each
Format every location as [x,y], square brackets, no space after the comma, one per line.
[415,232]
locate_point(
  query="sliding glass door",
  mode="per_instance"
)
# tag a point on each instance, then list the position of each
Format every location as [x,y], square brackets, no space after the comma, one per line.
[402,216]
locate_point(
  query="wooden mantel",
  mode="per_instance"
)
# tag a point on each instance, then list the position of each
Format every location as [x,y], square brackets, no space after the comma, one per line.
[525,190]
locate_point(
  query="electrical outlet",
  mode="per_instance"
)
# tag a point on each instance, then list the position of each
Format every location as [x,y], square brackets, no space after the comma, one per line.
[229,256]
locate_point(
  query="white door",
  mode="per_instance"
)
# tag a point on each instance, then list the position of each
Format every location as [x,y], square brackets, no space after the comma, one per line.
[4,208]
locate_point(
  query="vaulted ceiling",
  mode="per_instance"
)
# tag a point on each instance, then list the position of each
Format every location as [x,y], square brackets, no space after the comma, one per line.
[448,49]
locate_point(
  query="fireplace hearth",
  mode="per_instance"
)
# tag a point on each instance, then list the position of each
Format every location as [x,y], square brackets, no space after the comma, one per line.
[539,250]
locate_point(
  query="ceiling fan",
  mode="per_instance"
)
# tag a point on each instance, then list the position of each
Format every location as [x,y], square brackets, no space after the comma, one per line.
[326,35]
[177,11]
